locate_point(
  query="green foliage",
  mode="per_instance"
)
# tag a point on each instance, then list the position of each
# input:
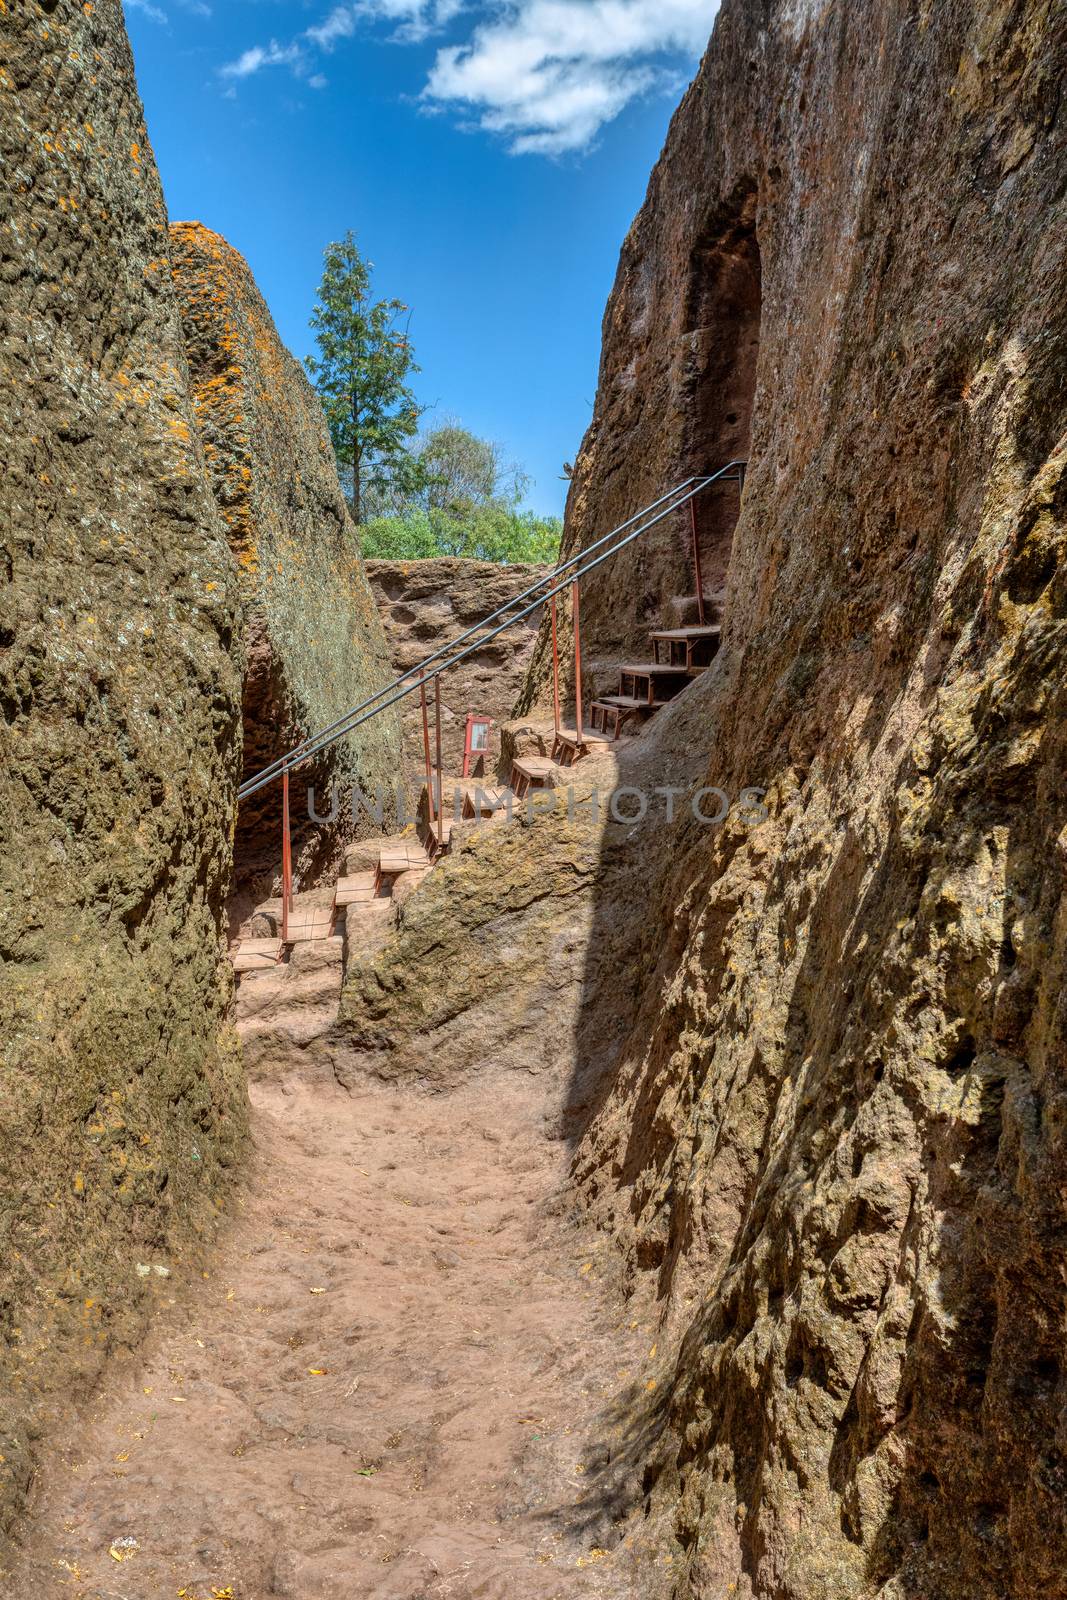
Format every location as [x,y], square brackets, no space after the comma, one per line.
[407,536]
[493,532]
[467,504]
[462,472]
[364,360]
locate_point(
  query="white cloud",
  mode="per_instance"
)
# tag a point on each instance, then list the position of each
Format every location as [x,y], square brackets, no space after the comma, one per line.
[549,74]
[415,19]
[146,9]
[264,55]
[340,24]
[546,75]
[198,8]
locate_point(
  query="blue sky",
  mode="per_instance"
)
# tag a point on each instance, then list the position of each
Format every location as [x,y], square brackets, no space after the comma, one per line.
[489,155]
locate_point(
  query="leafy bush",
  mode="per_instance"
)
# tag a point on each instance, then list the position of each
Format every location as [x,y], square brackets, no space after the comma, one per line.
[495,531]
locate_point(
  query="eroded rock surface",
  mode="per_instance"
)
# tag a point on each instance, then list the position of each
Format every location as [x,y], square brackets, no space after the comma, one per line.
[834,1135]
[121,1099]
[425,604]
[820,1057]
[314,643]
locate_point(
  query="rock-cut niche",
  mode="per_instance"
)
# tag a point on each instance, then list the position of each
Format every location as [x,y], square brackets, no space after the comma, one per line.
[724,301]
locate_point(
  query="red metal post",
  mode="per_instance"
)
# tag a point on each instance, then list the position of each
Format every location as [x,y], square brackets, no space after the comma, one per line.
[426,744]
[697,575]
[555,666]
[287,858]
[437,713]
[577,663]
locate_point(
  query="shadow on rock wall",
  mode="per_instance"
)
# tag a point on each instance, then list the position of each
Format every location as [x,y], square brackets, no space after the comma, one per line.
[819,1087]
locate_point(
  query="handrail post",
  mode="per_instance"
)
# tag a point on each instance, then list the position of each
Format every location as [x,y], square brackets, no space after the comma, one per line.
[697,574]
[577,662]
[440,773]
[287,858]
[555,667]
[426,745]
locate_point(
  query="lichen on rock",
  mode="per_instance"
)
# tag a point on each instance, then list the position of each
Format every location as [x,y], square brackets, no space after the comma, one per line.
[121,1098]
[314,641]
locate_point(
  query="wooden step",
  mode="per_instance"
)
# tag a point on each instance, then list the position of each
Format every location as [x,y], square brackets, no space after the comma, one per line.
[651,683]
[441,829]
[709,630]
[483,802]
[589,736]
[629,702]
[402,857]
[251,955]
[532,772]
[355,890]
[659,669]
[309,922]
[693,649]
[611,711]
[568,747]
[535,769]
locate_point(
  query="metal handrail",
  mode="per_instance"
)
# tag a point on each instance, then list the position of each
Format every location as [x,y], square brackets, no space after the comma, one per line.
[679,496]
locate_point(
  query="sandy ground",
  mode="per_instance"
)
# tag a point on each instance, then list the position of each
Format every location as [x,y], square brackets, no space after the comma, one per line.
[405,1377]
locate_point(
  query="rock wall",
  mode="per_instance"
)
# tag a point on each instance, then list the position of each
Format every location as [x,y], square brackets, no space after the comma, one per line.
[121,1099]
[833,1136]
[423,605]
[818,1097]
[313,639]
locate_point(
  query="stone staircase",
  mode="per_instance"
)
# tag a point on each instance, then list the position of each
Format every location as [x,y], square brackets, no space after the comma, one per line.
[679,655]
[325,924]
[354,913]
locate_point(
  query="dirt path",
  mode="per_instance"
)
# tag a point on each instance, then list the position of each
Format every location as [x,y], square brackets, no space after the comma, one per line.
[392,1386]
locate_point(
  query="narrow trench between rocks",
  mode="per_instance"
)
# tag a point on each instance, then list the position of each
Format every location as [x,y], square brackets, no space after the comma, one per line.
[392,1382]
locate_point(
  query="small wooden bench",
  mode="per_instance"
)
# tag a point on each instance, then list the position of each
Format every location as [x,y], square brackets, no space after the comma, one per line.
[649,683]
[532,772]
[567,747]
[689,648]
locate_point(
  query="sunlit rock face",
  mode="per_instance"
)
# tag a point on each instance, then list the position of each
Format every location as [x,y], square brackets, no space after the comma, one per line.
[314,644]
[830,1139]
[120,1093]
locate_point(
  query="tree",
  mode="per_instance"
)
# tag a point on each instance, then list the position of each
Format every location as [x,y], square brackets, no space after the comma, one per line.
[365,357]
[463,472]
